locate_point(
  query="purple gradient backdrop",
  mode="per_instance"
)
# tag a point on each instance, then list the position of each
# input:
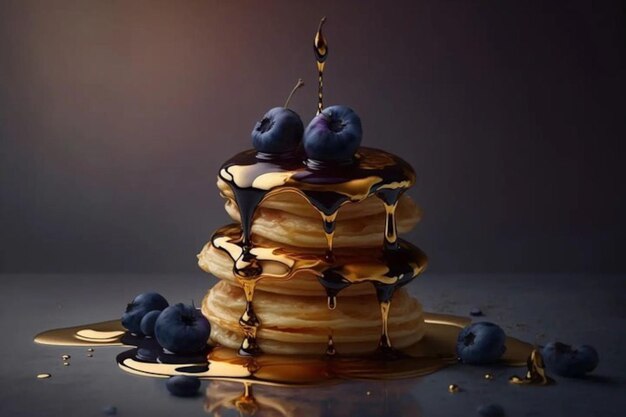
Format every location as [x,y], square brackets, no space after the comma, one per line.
[115,115]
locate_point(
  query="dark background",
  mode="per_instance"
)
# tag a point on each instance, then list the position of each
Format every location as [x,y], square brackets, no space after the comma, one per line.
[115,116]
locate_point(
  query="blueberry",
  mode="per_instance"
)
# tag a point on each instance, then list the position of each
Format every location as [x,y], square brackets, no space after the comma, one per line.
[136,309]
[491,410]
[480,343]
[566,361]
[183,385]
[279,131]
[148,321]
[182,329]
[334,135]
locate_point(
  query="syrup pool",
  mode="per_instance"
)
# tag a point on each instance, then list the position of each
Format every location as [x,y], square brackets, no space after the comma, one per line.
[145,357]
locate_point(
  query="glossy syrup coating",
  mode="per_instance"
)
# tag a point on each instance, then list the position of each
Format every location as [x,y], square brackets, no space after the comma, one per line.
[254,177]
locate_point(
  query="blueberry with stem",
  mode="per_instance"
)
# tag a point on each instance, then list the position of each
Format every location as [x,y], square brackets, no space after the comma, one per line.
[280,130]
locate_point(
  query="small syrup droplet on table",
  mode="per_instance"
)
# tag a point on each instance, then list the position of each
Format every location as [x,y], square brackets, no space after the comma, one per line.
[65,357]
[43,376]
[453,388]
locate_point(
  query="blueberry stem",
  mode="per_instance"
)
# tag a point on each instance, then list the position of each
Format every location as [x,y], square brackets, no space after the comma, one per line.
[299,84]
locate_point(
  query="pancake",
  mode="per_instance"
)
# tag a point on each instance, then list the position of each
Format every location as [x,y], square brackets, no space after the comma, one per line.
[301,324]
[293,203]
[219,264]
[289,219]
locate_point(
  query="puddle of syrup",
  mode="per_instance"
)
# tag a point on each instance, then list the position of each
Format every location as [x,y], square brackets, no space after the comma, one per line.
[435,351]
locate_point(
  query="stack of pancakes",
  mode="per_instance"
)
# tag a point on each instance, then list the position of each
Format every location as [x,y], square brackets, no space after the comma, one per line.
[294,314]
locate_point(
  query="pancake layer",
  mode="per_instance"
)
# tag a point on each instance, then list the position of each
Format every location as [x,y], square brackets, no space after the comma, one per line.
[289,219]
[293,324]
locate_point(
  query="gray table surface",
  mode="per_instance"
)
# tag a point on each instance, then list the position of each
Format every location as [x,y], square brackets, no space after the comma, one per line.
[536,308]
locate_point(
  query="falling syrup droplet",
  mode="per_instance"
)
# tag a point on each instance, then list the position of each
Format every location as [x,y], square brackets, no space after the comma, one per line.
[90,350]
[65,357]
[66,364]
[320,47]
[332,302]
[43,376]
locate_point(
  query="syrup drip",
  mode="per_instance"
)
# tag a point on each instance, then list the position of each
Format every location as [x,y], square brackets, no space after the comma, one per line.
[320,47]
[255,177]
[249,321]
[536,374]
[330,349]
[329,231]
[390,201]
[385,343]
[249,199]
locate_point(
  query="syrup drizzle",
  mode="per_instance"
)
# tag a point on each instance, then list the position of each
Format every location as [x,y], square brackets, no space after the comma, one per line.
[385,342]
[249,321]
[320,47]
[255,177]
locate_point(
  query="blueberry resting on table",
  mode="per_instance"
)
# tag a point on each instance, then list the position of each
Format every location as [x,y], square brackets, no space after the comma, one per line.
[334,135]
[480,343]
[148,321]
[564,360]
[139,307]
[182,329]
